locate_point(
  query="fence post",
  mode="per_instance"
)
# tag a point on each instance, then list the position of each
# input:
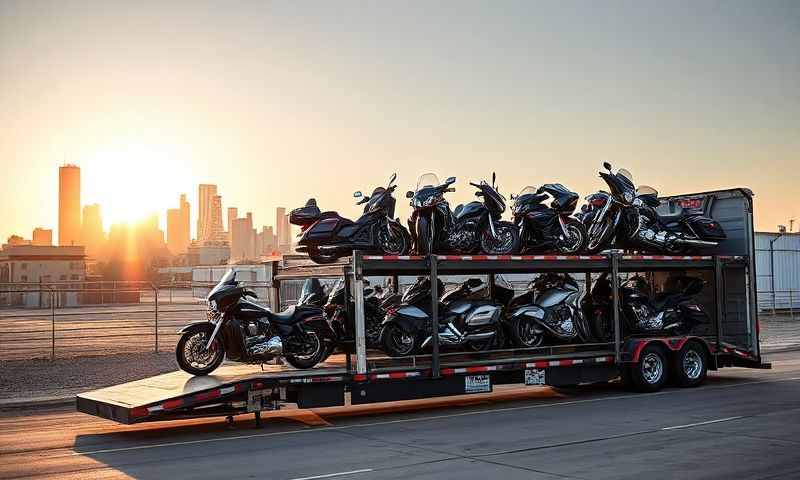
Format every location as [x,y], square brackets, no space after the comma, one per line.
[155,293]
[52,324]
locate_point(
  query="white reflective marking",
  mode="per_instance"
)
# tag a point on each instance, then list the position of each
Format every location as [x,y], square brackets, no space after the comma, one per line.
[689,425]
[338,474]
[226,390]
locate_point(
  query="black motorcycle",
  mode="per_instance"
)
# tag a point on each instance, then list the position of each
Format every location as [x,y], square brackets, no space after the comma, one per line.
[630,217]
[327,236]
[313,293]
[466,319]
[672,312]
[543,228]
[549,308]
[244,331]
[470,228]
[374,312]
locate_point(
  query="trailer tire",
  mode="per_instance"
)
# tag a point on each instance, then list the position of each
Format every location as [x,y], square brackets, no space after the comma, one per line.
[650,373]
[690,365]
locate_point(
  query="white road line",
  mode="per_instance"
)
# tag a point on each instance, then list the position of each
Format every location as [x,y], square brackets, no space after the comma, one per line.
[338,474]
[427,418]
[689,425]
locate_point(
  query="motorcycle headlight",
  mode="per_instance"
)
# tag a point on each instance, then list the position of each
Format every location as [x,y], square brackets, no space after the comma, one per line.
[429,201]
[628,196]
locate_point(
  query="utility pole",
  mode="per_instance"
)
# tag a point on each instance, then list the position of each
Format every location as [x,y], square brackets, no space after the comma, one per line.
[772,267]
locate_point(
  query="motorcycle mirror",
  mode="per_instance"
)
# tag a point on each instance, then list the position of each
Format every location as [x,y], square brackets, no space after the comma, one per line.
[358,194]
[409,194]
[392,178]
[607,166]
[450,180]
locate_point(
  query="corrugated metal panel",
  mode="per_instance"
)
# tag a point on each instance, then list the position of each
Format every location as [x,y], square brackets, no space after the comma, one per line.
[786,259]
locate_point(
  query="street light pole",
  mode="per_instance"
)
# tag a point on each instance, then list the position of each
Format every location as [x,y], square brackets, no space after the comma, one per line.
[772,268]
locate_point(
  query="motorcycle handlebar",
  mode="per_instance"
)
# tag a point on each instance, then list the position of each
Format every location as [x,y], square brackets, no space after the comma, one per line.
[475,185]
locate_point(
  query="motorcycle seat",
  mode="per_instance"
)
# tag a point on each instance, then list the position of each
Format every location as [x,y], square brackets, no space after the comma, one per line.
[293,314]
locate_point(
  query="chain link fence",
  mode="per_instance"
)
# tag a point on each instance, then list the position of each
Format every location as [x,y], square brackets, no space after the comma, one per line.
[780,302]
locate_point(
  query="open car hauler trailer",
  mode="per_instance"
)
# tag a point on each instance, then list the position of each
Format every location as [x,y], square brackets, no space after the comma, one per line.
[731,340]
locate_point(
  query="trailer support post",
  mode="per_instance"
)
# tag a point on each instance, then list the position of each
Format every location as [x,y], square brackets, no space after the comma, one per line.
[435,372]
[358,295]
[719,281]
[258,418]
[615,305]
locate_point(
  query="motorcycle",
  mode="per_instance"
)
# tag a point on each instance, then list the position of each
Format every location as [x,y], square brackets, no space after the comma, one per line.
[313,293]
[471,228]
[465,320]
[243,331]
[548,228]
[673,312]
[549,307]
[629,216]
[327,236]
[374,312]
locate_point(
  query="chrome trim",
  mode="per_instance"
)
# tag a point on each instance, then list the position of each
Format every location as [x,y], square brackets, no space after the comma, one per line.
[214,333]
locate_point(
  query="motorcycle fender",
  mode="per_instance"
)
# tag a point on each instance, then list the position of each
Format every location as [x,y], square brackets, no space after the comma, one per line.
[319,323]
[529,311]
[408,324]
[203,325]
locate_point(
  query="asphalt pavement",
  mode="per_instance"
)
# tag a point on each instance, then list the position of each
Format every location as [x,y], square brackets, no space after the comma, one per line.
[741,424]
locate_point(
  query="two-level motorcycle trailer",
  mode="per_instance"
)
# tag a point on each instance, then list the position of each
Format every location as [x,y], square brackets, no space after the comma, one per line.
[730,340]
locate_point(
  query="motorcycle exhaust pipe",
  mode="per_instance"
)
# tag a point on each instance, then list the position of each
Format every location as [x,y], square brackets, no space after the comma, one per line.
[273,346]
[696,243]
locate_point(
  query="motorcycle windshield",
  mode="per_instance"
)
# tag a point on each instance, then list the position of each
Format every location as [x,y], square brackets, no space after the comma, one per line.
[646,190]
[529,190]
[311,287]
[493,200]
[337,289]
[227,281]
[625,176]
[427,180]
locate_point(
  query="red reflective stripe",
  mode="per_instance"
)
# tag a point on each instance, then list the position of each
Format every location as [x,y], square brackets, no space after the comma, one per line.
[359,377]
[448,371]
[170,404]
[565,363]
[139,412]
[207,395]
[398,375]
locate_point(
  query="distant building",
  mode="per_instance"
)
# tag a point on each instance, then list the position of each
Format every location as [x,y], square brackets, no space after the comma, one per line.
[282,231]
[233,214]
[42,237]
[209,221]
[209,253]
[15,240]
[178,225]
[92,235]
[69,205]
[35,264]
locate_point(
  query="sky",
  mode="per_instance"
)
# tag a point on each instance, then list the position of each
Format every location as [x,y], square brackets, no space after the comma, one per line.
[276,102]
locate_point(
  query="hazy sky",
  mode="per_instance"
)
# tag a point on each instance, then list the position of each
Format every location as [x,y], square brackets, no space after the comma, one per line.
[279,101]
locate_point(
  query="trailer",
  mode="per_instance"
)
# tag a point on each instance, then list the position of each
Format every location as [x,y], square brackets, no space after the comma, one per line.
[361,376]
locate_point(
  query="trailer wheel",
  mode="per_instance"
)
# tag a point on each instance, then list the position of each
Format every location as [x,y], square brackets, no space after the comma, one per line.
[690,365]
[652,370]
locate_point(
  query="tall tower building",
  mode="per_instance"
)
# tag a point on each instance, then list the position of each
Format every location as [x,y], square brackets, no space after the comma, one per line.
[282,232]
[233,214]
[178,236]
[209,220]
[92,235]
[69,205]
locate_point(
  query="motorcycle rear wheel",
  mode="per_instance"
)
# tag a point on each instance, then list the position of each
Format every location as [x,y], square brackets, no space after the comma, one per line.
[192,356]
[321,258]
[317,349]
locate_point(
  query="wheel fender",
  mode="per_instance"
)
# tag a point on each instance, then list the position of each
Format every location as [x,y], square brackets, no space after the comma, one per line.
[197,326]
[408,325]
[321,323]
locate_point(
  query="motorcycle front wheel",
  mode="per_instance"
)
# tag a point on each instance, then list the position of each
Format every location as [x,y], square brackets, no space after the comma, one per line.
[526,333]
[575,239]
[505,243]
[599,236]
[395,240]
[192,355]
[425,237]
[397,342]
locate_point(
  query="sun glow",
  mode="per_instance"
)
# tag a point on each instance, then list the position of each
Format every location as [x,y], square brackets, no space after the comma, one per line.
[133,182]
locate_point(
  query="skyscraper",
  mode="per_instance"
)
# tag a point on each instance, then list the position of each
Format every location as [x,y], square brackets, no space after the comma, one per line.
[209,220]
[69,205]
[178,235]
[92,235]
[282,232]
[233,214]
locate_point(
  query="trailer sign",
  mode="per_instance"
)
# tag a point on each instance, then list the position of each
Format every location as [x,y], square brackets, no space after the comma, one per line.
[477,384]
[534,376]
[258,400]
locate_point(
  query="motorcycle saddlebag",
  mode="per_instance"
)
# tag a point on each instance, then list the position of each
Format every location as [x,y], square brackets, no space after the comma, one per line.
[706,228]
[305,215]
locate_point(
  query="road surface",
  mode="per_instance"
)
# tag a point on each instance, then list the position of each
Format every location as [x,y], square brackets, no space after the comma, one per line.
[741,424]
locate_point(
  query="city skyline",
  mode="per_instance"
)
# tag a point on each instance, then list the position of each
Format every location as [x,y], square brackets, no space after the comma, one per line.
[276,102]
